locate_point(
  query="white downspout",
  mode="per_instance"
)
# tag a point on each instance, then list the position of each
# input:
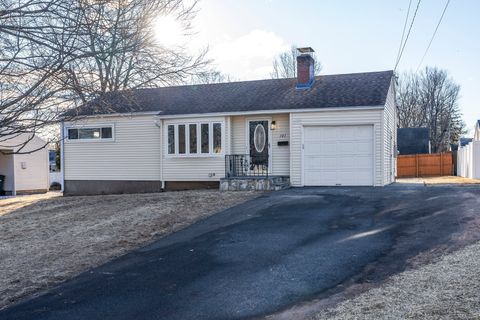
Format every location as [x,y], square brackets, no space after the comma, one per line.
[48,167]
[62,158]
[161,155]
[159,125]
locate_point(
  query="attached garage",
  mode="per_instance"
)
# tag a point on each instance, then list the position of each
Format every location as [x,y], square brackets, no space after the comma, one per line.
[338,155]
[343,147]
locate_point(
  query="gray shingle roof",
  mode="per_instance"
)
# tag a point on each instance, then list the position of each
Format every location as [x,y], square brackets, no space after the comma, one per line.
[328,91]
[464,141]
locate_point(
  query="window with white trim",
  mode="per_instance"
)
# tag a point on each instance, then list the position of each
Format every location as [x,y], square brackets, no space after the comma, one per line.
[171,139]
[192,134]
[90,133]
[217,138]
[181,139]
[205,138]
[195,139]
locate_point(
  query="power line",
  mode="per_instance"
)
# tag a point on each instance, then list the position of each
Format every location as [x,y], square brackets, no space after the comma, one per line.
[433,36]
[403,32]
[408,35]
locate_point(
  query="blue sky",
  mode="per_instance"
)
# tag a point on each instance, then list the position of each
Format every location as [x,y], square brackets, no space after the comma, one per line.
[348,36]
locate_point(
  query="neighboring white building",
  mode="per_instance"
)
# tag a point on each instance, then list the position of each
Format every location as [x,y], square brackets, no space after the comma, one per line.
[318,131]
[477,131]
[24,171]
[468,156]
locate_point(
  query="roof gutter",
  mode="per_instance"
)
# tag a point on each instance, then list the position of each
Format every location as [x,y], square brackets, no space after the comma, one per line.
[109,115]
[219,114]
[273,111]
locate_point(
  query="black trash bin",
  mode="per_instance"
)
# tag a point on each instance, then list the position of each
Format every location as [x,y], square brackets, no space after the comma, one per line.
[2,182]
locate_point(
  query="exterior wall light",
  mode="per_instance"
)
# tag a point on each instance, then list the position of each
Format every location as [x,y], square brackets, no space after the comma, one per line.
[273,125]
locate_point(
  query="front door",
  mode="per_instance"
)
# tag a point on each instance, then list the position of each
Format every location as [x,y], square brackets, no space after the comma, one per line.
[258,145]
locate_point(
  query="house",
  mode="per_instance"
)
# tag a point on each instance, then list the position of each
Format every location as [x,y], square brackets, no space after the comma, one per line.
[309,131]
[465,141]
[24,164]
[468,155]
[413,141]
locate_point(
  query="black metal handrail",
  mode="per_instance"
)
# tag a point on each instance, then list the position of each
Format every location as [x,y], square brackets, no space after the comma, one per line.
[245,165]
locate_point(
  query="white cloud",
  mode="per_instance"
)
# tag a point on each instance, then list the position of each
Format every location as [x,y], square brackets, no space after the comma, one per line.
[249,56]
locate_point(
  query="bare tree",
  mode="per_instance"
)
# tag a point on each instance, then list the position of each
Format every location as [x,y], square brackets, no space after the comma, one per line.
[430,99]
[123,53]
[34,49]
[59,54]
[209,77]
[285,64]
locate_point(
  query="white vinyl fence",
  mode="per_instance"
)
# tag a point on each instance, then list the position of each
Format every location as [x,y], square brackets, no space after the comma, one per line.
[468,160]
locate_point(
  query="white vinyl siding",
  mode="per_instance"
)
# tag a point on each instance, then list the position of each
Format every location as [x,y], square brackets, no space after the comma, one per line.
[239,138]
[204,167]
[133,154]
[25,171]
[334,118]
[279,155]
[35,174]
[389,138]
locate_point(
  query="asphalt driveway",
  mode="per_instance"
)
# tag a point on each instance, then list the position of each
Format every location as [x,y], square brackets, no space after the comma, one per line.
[268,254]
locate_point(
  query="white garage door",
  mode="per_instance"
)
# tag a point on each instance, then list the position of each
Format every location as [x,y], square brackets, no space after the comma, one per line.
[338,155]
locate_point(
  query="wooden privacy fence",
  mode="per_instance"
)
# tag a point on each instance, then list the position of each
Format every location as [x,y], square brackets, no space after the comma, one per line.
[423,165]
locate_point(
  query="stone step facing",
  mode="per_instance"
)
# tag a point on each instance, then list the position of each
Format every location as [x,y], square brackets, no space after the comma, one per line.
[271,183]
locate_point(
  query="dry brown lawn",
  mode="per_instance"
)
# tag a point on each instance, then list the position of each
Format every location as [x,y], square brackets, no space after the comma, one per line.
[438,180]
[46,239]
[447,289]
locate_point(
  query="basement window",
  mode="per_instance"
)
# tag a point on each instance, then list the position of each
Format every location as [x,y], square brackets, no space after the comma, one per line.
[195,139]
[90,133]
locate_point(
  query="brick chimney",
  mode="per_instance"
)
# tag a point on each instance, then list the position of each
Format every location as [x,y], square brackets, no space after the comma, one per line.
[305,68]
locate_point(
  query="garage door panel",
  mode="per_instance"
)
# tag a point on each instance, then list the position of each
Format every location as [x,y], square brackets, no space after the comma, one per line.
[330,178]
[328,134]
[364,147]
[354,149]
[322,134]
[363,131]
[320,148]
[346,133]
[338,155]
[342,148]
[353,178]
[360,162]
[322,163]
